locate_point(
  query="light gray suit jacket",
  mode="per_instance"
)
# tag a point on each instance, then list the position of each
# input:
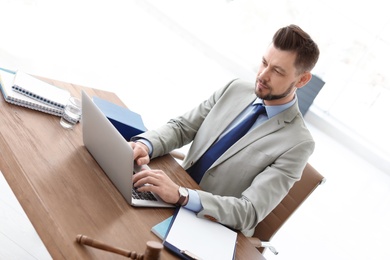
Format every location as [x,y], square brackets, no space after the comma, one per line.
[255,174]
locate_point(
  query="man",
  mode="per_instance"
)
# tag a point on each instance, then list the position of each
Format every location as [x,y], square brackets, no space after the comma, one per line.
[244,183]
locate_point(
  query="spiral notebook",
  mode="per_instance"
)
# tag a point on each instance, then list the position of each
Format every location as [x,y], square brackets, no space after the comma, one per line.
[13,97]
[39,90]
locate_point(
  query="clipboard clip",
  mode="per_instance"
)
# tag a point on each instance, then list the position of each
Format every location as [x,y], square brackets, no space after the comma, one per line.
[190,255]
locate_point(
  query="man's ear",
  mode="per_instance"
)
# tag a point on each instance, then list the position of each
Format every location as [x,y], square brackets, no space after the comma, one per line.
[304,79]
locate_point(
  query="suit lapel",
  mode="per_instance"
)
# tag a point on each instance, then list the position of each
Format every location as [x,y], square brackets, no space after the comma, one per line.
[272,125]
[221,112]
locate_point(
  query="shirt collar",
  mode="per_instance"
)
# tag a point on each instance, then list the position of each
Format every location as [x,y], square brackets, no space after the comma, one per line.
[274,110]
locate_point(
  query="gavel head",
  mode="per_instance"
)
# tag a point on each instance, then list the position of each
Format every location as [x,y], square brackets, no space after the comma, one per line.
[153,250]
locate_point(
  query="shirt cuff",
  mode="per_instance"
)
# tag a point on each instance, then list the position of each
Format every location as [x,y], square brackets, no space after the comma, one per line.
[193,203]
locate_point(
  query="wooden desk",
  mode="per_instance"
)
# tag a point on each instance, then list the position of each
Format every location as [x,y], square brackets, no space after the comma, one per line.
[64,192]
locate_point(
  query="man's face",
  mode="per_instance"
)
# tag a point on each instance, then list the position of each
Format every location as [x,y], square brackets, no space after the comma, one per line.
[277,77]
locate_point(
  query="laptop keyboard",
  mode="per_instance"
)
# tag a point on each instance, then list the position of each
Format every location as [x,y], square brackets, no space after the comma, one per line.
[143,195]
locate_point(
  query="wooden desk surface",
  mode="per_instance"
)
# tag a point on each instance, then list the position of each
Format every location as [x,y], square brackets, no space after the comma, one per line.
[64,192]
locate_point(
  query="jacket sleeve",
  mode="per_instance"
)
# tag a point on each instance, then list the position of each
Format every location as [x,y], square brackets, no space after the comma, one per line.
[181,130]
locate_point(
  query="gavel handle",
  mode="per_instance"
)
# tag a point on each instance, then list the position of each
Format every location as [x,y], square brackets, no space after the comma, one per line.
[82,239]
[153,248]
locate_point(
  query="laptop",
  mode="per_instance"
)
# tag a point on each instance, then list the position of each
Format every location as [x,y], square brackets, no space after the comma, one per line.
[114,155]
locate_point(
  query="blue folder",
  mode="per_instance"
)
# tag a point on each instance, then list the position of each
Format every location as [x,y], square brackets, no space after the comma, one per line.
[127,122]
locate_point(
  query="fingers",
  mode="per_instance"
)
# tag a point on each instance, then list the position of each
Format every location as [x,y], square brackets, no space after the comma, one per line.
[147,181]
[140,153]
[158,182]
[146,177]
[142,160]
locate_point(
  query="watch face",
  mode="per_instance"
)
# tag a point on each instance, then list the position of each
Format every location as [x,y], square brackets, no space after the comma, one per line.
[183,191]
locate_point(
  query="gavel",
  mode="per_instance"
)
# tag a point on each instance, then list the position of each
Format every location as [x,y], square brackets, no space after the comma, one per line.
[152,251]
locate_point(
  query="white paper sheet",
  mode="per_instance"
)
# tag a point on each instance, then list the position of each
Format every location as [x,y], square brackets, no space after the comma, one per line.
[206,239]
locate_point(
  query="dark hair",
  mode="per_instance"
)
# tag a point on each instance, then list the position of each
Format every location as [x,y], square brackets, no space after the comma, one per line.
[293,38]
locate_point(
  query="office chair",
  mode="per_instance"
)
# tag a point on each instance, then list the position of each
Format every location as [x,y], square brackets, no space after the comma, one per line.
[268,227]
[308,93]
[300,191]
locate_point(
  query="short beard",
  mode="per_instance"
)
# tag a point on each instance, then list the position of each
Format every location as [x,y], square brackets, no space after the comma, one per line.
[270,96]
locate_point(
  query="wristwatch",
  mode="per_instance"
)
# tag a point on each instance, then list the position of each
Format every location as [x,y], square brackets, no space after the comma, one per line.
[183,192]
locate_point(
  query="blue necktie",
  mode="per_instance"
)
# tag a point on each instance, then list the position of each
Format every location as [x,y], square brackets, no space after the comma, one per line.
[217,149]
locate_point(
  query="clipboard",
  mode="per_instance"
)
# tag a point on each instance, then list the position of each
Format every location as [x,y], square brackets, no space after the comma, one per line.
[193,238]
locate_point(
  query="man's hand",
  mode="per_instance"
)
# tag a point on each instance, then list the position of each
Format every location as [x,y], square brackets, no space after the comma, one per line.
[141,153]
[157,182]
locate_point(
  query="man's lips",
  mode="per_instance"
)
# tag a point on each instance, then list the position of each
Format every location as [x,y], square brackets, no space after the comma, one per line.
[261,86]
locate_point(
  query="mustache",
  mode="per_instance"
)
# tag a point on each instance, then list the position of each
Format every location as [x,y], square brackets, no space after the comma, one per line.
[262,82]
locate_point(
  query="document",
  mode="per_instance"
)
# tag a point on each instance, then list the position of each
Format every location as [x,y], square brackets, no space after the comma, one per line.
[197,238]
